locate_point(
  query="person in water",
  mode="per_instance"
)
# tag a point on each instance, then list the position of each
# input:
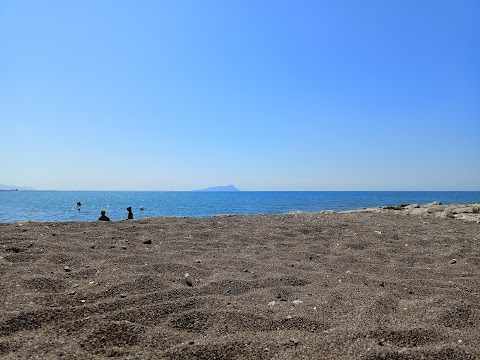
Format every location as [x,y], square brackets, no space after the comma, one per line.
[130,214]
[103,217]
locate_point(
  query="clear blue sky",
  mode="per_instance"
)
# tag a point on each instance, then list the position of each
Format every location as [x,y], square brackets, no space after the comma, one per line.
[265,95]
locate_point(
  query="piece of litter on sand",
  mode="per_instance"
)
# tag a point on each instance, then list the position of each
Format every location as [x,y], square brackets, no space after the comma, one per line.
[297,302]
[271,303]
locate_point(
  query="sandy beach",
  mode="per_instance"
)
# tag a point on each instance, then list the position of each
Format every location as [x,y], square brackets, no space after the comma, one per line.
[399,282]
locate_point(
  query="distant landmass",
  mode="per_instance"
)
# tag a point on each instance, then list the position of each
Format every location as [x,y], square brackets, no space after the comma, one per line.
[220,188]
[13,187]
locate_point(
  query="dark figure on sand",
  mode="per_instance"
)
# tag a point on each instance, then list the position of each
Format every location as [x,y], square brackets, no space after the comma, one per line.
[103,217]
[130,214]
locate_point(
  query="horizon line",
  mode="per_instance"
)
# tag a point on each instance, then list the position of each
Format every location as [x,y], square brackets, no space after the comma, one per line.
[343,190]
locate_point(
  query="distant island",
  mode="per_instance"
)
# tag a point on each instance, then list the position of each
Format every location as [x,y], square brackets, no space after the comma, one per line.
[220,188]
[14,188]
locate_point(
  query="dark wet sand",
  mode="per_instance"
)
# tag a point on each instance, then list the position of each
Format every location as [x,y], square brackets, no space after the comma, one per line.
[372,284]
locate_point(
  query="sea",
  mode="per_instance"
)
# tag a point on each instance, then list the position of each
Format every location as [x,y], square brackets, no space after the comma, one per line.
[61,206]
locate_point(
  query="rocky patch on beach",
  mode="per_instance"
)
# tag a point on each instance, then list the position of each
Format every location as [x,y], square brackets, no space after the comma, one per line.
[467,212]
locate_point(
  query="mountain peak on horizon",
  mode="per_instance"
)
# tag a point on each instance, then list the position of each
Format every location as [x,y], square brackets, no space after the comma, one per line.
[220,188]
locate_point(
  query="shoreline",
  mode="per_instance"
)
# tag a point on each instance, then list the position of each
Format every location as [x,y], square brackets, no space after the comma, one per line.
[467,211]
[396,282]
[61,206]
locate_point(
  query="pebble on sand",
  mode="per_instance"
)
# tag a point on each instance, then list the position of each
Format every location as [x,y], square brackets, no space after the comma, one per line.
[188,279]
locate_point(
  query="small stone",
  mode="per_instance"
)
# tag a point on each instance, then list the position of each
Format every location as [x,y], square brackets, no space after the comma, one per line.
[280,294]
[147,241]
[123,295]
[294,341]
[297,302]
[124,248]
[188,279]
[271,303]
[67,269]
[453,261]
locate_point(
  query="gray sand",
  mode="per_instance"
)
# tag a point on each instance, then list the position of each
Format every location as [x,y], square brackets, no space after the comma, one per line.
[395,283]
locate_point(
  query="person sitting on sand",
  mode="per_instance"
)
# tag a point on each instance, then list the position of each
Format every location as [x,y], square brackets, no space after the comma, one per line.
[103,217]
[130,214]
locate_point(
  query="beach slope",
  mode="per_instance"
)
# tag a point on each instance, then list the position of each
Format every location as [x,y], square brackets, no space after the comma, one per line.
[387,283]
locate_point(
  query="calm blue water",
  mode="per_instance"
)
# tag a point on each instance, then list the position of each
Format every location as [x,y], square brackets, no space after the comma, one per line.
[61,205]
